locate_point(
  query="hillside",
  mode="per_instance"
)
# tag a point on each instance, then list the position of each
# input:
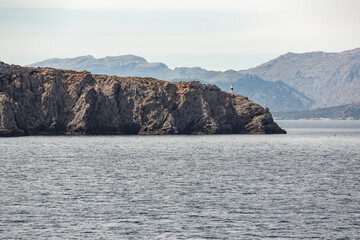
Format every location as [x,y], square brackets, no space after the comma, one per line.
[53,101]
[276,96]
[350,111]
[330,79]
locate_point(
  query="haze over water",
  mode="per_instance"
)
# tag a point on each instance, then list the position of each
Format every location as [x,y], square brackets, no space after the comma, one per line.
[305,184]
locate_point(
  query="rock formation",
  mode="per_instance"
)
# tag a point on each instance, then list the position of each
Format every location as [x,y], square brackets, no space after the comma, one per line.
[50,101]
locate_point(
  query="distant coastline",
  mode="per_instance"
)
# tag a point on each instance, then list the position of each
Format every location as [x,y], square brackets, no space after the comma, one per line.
[344,112]
[316,119]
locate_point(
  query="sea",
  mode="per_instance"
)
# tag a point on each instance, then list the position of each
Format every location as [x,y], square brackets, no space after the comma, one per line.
[302,185]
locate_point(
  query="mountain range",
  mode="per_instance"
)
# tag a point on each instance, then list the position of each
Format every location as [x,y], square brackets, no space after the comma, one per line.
[349,111]
[330,79]
[277,96]
[288,83]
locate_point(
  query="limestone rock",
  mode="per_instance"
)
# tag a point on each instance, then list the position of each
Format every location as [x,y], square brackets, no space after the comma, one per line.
[52,101]
[8,126]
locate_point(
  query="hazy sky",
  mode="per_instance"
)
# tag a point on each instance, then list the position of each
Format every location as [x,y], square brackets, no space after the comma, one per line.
[219,35]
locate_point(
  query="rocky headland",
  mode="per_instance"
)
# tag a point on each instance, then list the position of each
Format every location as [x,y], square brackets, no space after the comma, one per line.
[35,101]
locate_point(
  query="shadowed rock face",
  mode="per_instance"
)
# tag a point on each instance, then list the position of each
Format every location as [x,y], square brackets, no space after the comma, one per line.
[50,101]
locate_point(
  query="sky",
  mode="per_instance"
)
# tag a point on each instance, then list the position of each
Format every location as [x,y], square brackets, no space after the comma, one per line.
[216,35]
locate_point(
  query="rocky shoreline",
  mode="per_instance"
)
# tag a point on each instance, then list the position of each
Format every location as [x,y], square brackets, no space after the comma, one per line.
[36,101]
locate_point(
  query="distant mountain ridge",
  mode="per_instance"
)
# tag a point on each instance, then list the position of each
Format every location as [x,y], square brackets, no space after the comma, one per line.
[349,111]
[122,66]
[331,79]
[290,82]
[275,95]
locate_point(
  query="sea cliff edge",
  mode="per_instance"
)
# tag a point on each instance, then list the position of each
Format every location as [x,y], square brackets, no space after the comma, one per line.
[47,101]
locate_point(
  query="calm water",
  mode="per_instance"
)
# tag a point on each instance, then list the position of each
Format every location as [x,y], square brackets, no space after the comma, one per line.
[302,185]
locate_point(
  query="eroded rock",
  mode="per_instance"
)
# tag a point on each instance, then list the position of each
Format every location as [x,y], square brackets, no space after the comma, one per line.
[52,101]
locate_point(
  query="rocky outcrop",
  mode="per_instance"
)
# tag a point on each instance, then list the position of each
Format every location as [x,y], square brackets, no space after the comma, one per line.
[52,101]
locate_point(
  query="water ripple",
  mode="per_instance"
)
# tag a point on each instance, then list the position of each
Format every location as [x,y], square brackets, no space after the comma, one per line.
[299,186]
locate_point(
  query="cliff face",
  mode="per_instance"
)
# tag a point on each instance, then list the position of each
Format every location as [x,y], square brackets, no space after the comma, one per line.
[51,101]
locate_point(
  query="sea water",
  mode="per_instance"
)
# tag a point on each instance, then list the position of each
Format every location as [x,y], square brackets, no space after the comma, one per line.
[302,185]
